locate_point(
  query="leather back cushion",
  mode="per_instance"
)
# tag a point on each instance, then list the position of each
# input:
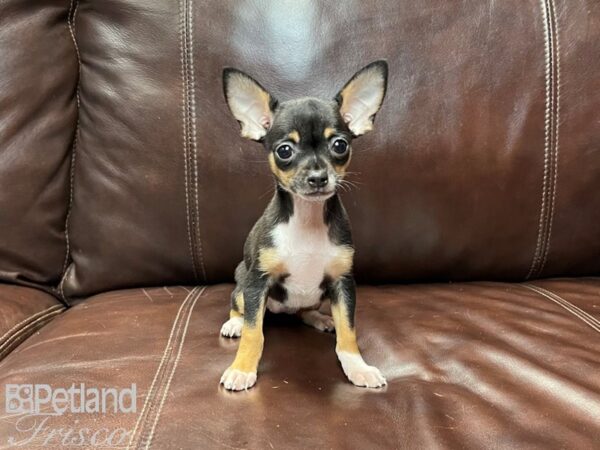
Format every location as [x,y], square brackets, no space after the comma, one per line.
[484,162]
[38,114]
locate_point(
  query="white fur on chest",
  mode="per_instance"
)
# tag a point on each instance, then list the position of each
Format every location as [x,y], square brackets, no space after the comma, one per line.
[304,247]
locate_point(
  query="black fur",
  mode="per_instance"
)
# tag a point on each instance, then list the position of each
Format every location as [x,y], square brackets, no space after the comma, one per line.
[279,210]
[308,119]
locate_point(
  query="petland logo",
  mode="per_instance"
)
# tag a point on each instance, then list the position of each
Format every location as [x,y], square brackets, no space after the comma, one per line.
[41,410]
[43,399]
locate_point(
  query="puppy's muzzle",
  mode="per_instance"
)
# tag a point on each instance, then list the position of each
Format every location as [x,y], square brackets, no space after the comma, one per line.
[317,179]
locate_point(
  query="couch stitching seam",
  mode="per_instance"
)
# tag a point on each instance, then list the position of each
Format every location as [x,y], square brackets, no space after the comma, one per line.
[172,374]
[7,334]
[7,344]
[25,333]
[591,321]
[21,331]
[157,374]
[163,376]
[61,287]
[575,308]
[193,136]
[556,124]
[184,108]
[74,4]
[547,136]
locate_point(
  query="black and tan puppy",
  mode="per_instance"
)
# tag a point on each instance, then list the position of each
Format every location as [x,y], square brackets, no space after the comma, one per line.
[299,254]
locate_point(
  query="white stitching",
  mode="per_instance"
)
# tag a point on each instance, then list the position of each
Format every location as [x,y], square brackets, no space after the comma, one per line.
[576,311]
[153,395]
[556,134]
[582,313]
[7,344]
[568,306]
[150,404]
[61,286]
[549,158]
[71,25]
[162,362]
[546,142]
[174,368]
[27,319]
[184,112]
[11,339]
[547,124]
[193,143]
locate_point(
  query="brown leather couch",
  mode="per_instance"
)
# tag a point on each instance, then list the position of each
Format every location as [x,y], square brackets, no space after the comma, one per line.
[126,194]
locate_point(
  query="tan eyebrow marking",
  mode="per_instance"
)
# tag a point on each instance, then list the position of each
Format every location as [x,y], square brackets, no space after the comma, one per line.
[294,136]
[328,132]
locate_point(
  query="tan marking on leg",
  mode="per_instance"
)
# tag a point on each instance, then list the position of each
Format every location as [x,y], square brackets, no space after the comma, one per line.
[341,264]
[269,262]
[328,132]
[345,334]
[239,304]
[294,136]
[284,176]
[354,366]
[251,346]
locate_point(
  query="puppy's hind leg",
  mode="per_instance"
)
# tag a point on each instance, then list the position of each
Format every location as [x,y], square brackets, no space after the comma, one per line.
[233,327]
[316,319]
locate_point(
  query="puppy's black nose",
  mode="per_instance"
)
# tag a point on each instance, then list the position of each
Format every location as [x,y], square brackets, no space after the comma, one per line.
[317,179]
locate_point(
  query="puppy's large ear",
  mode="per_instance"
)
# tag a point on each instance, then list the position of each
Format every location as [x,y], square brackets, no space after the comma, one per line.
[362,96]
[249,103]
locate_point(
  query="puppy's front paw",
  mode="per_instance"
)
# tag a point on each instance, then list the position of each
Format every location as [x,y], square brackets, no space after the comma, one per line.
[359,372]
[368,376]
[233,327]
[236,380]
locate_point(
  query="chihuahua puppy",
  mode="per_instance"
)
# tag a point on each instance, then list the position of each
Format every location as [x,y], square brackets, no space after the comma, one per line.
[299,253]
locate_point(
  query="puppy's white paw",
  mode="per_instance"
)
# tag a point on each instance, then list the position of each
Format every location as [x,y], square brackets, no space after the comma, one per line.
[236,380]
[320,321]
[233,327]
[369,376]
[359,372]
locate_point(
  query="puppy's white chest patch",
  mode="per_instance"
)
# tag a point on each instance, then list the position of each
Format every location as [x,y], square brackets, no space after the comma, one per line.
[304,248]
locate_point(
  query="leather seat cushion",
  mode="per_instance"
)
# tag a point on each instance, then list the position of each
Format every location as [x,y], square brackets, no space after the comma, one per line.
[472,365]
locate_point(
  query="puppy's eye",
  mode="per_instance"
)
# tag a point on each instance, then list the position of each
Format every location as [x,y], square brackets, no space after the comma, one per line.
[284,152]
[339,147]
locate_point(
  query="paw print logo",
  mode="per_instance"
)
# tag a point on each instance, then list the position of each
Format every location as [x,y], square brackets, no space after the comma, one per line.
[19,398]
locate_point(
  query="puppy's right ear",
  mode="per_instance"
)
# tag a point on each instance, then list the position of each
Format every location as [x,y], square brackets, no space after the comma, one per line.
[249,103]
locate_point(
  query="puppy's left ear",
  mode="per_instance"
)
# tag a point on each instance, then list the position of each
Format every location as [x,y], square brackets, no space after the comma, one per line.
[362,96]
[249,103]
